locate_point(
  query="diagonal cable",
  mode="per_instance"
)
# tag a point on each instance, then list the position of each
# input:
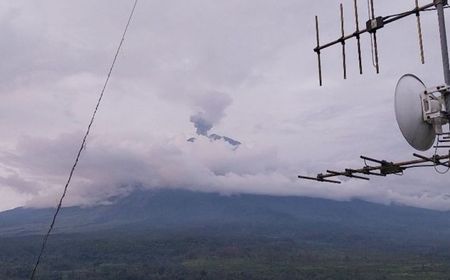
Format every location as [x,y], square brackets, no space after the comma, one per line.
[83,144]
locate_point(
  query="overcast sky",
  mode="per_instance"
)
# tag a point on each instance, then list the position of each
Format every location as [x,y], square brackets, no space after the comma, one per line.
[245,69]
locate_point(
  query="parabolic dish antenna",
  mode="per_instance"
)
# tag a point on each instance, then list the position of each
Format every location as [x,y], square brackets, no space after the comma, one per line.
[408,111]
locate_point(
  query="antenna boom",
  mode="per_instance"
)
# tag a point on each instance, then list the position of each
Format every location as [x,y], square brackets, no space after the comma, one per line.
[383,168]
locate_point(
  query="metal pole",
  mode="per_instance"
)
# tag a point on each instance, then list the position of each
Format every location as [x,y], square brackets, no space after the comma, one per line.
[444,48]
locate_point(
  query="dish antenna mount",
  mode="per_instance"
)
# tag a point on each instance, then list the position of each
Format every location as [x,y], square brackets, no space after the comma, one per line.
[421,112]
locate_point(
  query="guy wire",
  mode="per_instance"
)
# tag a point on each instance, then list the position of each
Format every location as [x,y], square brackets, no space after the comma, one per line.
[83,144]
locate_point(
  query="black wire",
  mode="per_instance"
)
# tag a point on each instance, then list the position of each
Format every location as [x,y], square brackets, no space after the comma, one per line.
[435,164]
[371,37]
[367,165]
[395,15]
[404,13]
[434,9]
[422,165]
[83,144]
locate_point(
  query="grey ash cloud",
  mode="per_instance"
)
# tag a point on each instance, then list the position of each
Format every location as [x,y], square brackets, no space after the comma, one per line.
[212,105]
[203,127]
[201,124]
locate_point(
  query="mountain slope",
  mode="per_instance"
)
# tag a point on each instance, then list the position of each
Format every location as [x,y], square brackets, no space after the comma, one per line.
[285,216]
[173,234]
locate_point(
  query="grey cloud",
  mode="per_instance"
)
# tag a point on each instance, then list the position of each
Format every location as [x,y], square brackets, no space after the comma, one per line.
[244,69]
[18,184]
[33,54]
[213,104]
[108,171]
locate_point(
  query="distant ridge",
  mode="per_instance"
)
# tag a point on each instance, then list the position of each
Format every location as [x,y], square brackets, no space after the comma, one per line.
[298,217]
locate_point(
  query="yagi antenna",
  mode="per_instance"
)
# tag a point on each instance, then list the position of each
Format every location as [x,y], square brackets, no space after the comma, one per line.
[421,112]
[375,167]
[373,24]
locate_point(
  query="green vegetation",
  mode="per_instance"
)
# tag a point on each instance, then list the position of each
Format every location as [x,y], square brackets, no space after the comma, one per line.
[188,235]
[196,255]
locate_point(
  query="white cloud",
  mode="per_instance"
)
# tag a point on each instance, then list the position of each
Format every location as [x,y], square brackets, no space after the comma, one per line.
[247,66]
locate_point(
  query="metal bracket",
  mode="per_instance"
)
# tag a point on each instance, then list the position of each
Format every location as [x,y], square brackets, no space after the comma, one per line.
[437,2]
[434,108]
[372,25]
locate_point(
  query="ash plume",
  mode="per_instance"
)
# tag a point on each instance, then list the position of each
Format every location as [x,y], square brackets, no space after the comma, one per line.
[201,124]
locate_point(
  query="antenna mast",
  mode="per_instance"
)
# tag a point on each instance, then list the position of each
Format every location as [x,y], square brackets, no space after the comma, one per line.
[444,46]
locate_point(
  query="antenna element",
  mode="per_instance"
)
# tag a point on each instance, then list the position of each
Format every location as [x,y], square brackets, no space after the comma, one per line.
[378,22]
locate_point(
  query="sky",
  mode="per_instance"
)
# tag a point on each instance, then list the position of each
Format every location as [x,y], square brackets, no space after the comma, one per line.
[192,68]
